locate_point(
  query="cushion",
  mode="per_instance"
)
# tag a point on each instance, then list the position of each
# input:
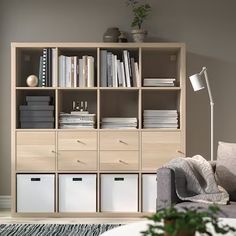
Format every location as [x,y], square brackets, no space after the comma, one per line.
[226,168]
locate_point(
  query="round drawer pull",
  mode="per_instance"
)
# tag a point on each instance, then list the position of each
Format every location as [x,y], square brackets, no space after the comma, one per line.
[53,151]
[79,161]
[180,152]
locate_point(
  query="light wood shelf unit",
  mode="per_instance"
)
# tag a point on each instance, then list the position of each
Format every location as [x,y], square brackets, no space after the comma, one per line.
[154,146]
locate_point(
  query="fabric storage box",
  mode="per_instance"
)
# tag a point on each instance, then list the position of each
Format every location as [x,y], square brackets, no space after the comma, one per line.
[35,193]
[77,192]
[119,193]
[149,192]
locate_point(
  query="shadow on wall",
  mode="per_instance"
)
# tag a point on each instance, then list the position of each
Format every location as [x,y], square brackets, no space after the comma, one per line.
[198,108]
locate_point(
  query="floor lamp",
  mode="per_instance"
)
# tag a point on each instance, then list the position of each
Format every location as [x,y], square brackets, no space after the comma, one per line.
[197,84]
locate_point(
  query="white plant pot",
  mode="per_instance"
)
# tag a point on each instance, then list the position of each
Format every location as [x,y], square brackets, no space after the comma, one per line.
[139,35]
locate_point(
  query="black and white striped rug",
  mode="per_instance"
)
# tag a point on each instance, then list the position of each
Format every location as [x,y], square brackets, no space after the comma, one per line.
[54,229]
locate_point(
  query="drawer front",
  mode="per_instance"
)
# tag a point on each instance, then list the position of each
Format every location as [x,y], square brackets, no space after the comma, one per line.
[119,160]
[35,151]
[158,148]
[119,140]
[77,160]
[77,140]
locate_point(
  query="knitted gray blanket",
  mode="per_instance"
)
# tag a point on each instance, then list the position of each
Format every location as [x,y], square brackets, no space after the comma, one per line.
[195,181]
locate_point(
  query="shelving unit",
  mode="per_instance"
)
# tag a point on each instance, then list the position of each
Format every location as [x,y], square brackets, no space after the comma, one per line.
[98,151]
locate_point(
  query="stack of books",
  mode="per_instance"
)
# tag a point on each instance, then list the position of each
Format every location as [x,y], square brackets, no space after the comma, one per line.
[47,68]
[38,113]
[159,82]
[160,119]
[119,123]
[118,73]
[77,120]
[76,72]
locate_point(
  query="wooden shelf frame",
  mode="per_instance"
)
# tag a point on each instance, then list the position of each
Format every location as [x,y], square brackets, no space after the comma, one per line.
[177,49]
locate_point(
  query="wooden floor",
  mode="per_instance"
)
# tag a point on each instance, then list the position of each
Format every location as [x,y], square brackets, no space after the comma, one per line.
[5,218]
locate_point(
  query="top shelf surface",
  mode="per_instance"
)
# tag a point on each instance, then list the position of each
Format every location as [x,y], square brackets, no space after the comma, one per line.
[174,45]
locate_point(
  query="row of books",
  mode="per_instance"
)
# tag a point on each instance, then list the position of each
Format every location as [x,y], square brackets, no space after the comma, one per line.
[119,123]
[159,82]
[47,68]
[76,72]
[37,113]
[118,73]
[160,119]
[77,120]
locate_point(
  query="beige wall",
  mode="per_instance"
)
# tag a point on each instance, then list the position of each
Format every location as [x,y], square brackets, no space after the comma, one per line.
[207,27]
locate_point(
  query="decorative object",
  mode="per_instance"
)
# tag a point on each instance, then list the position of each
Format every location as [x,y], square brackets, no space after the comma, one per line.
[197,84]
[111,35]
[140,12]
[186,222]
[123,37]
[32,81]
[55,229]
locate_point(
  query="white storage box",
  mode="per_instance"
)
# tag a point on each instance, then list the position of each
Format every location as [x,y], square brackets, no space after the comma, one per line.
[35,193]
[119,193]
[149,192]
[77,193]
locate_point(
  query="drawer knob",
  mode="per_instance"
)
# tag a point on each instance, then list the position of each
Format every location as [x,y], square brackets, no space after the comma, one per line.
[79,161]
[120,141]
[180,152]
[53,151]
[78,141]
[123,162]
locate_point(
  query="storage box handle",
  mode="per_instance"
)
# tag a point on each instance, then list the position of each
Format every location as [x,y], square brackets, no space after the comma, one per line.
[119,179]
[35,179]
[77,179]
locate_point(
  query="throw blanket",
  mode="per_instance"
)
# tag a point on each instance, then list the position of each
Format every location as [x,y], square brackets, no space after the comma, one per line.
[195,181]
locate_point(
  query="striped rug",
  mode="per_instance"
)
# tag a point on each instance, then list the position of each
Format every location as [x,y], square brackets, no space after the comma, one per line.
[54,229]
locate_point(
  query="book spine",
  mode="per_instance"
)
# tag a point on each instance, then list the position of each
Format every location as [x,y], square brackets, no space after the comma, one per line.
[126,65]
[81,61]
[109,69]
[85,71]
[44,73]
[72,72]
[130,71]
[119,73]
[61,70]
[54,67]
[123,74]
[103,68]
[133,73]
[90,72]
[40,71]
[137,75]
[75,71]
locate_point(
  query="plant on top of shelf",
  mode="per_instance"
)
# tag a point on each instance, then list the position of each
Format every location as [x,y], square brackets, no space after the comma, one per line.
[186,222]
[140,12]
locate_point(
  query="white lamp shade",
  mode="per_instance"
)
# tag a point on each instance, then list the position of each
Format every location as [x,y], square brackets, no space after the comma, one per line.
[197,82]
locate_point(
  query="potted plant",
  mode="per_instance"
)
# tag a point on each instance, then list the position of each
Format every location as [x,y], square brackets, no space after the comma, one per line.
[186,222]
[140,12]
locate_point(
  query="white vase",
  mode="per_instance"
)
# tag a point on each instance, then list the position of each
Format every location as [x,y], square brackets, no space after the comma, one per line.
[139,35]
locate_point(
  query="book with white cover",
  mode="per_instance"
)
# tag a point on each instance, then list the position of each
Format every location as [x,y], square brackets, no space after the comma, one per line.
[68,73]
[114,71]
[133,72]
[174,126]
[54,66]
[85,71]
[123,74]
[109,69]
[163,80]
[117,119]
[126,65]
[90,72]
[119,73]
[75,79]
[81,81]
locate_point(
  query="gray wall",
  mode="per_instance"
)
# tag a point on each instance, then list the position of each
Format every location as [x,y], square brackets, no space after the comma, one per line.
[207,27]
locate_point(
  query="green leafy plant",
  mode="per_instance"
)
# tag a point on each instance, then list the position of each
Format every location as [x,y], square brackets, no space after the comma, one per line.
[140,11]
[186,222]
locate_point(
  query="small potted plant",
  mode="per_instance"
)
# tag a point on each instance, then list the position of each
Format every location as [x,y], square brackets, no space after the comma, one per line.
[186,222]
[141,12]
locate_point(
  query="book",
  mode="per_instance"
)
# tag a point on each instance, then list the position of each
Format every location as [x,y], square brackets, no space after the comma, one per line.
[81,81]
[37,103]
[126,66]
[109,69]
[54,66]
[40,71]
[137,75]
[133,72]
[114,71]
[44,67]
[119,74]
[123,74]
[90,71]
[103,68]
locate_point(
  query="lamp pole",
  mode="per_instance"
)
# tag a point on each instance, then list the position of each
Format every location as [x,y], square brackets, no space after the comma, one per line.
[204,71]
